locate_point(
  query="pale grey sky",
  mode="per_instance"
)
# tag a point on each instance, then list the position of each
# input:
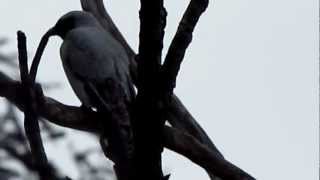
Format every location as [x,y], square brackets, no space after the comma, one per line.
[250,78]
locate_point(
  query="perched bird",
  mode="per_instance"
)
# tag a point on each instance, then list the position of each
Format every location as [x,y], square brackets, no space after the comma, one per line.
[90,54]
[96,66]
[92,57]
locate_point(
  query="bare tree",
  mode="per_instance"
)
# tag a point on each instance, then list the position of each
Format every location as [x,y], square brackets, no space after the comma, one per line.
[154,104]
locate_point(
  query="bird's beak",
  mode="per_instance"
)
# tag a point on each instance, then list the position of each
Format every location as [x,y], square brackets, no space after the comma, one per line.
[44,41]
[51,32]
[42,45]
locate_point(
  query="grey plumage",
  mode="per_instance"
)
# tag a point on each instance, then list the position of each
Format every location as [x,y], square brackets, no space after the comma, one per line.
[97,67]
[89,54]
[96,63]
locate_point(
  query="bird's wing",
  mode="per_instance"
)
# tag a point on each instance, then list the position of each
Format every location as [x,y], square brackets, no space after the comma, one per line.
[85,59]
[96,62]
[92,56]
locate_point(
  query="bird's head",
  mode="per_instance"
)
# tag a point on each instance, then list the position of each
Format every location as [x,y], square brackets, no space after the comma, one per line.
[65,24]
[72,20]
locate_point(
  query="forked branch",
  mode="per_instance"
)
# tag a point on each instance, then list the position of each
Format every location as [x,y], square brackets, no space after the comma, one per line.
[31,123]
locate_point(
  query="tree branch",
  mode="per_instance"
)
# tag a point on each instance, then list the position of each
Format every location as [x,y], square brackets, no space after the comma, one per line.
[147,121]
[179,117]
[212,161]
[181,41]
[178,114]
[177,139]
[58,113]
[31,123]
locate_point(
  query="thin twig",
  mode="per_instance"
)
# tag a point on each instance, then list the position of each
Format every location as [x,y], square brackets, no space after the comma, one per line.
[23,57]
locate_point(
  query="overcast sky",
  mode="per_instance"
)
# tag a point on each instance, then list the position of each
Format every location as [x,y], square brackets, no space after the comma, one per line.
[250,77]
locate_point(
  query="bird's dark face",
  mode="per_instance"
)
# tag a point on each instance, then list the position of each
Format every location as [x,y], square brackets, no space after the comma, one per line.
[72,20]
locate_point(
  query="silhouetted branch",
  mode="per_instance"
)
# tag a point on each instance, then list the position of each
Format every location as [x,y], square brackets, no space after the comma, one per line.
[82,119]
[30,93]
[181,41]
[31,123]
[23,57]
[56,112]
[179,117]
[201,154]
[147,121]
